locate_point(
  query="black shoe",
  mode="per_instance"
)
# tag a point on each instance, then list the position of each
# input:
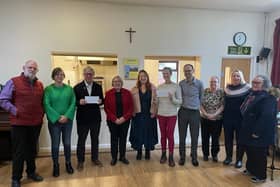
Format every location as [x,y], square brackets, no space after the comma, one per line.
[97,163]
[80,166]
[35,177]
[163,157]
[227,161]
[205,158]
[195,162]
[124,160]
[139,155]
[69,168]
[56,170]
[147,155]
[257,180]
[182,161]
[238,164]
[15,183]
[215,159]
[113,161]
[171,162]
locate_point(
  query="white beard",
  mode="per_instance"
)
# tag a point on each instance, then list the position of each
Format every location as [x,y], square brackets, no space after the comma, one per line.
[31,76]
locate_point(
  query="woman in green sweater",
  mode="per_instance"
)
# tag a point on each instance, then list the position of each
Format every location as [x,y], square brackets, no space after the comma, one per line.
[59,105]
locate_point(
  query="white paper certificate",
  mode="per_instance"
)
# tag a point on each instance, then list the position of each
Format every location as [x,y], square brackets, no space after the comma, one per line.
[92,99]
[162,93]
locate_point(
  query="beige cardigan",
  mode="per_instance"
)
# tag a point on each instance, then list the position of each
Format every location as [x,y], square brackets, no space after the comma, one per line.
[136,100]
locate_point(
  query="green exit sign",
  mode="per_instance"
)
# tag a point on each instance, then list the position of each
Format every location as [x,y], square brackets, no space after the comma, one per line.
[239,50]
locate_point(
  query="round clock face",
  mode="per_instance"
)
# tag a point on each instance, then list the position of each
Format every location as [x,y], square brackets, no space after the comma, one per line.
[239,38]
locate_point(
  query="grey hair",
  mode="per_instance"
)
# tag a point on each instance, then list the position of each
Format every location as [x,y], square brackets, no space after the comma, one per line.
[31,62]
[266,82]
[88,68]
[242,80]
[117,77]
[168,69]
[215,77]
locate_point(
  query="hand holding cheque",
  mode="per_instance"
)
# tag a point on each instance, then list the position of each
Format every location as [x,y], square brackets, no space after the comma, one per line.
[90,100]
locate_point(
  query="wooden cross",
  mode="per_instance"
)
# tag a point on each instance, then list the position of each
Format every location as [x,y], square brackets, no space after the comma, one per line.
[130,31]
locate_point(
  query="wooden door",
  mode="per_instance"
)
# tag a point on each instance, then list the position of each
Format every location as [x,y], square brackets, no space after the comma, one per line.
[230,64]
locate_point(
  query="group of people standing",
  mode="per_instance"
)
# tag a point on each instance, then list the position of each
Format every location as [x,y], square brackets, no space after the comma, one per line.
[248,113]
[26,99]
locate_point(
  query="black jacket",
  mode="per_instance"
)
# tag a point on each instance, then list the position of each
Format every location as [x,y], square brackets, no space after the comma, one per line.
[90,113]
[259,118]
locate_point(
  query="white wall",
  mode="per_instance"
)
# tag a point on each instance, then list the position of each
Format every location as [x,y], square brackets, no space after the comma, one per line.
[33,29]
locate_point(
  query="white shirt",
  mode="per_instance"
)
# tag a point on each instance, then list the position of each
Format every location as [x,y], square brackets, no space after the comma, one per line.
[89,87]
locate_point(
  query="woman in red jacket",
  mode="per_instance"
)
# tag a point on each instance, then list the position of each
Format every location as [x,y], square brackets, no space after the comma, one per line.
[119,108]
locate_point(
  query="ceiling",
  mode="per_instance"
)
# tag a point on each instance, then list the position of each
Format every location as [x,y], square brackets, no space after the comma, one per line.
[234,5]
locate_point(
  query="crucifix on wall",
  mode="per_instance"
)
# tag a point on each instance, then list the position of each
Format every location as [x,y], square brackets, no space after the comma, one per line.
[130,31]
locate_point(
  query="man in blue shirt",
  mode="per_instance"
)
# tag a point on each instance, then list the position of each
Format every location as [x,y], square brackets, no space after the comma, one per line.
[192,91]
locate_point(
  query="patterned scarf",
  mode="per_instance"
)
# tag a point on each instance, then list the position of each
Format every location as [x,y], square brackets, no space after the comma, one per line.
[250,101]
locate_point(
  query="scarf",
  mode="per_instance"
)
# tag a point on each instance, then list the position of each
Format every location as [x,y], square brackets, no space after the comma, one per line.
[251,100]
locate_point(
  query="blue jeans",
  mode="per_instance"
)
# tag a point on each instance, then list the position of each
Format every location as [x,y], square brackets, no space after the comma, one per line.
[56,130]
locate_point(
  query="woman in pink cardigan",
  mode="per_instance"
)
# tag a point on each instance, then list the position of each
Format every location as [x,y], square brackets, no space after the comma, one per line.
[144,125]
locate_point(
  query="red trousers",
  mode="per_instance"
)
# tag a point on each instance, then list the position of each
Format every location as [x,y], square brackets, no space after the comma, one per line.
[167,126]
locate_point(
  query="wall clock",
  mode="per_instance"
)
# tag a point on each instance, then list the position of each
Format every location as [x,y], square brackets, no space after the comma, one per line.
[239,38]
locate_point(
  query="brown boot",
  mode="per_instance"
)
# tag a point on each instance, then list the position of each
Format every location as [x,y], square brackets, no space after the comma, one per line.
[163,158]
[171,160]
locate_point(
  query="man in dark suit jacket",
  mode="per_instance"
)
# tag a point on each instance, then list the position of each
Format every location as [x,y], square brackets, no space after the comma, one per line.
[88,116]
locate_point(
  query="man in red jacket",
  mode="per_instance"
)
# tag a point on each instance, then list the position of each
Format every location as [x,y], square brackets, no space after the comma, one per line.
[22,97]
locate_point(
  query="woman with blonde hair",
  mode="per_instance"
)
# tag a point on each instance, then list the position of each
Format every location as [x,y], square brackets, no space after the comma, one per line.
[235,93]
[144,126]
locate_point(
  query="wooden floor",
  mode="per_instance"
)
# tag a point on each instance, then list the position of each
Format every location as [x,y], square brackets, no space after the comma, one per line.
[140,173]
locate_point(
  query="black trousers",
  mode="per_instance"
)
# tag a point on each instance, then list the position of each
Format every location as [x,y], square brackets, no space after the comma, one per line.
[256,161]
[118,138]
[231,128]
[24,148]
[210,128]
[188,117]
[83,130]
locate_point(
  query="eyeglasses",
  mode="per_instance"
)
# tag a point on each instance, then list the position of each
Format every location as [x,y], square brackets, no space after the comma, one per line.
[88,74]
[256,82]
